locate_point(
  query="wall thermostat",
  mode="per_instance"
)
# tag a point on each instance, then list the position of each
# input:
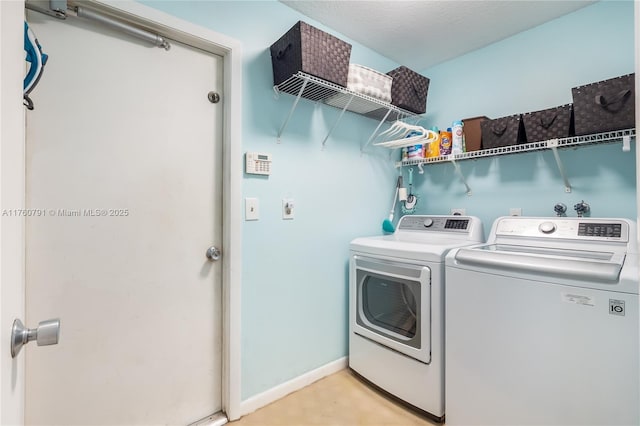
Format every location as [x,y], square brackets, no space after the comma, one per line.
[257,163]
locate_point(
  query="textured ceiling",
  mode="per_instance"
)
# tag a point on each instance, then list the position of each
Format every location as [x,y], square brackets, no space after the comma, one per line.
[420,34]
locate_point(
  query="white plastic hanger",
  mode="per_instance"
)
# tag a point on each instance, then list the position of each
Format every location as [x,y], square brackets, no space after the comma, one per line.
[424,136]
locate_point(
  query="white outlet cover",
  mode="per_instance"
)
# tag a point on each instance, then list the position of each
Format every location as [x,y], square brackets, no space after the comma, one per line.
[458,212]
[288,212]
[251,209]
[515,211]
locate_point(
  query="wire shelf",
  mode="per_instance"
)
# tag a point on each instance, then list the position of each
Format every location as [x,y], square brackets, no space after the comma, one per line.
[319,90]
[569,142]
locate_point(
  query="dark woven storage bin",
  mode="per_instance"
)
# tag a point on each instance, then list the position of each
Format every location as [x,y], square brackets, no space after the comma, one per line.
[503,131]
[409,90]
[605,105]
[473,132]
[549,123]
[313,51]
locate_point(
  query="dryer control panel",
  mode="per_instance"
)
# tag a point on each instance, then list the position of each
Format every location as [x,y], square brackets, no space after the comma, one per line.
[435,223]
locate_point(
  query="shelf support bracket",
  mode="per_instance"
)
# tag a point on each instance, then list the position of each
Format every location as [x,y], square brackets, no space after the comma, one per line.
[460,175]
[375,132]
[553,144]
[337,121]
[293,108]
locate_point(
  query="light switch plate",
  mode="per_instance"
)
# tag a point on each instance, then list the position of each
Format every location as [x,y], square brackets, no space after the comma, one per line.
[251,209]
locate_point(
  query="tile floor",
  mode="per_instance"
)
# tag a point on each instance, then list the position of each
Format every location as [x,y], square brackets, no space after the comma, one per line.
[341,399]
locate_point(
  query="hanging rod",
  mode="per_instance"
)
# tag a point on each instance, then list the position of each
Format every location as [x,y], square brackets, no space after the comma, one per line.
[125,27]
[55,8]
[59,8]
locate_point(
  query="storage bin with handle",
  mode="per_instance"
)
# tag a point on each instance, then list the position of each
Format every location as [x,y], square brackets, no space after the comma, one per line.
[503,131]
[409,90]
[312,51]
[605,105]
[549,123]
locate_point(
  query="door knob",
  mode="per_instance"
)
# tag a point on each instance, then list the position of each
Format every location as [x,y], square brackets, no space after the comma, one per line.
[213,253]
[47,333]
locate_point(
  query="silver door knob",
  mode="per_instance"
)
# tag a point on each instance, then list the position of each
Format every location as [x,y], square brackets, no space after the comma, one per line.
[213,253]
[47,333]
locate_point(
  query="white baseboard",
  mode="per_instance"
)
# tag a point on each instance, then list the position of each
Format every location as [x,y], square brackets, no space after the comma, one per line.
[267,397]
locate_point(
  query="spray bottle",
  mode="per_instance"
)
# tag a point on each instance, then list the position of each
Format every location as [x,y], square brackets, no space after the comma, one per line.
[457,145]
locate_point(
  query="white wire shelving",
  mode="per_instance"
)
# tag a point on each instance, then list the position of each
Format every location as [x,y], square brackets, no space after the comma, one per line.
[302,85]
[552,144]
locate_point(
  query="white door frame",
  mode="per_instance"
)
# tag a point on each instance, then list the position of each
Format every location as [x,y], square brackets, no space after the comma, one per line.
[12,189]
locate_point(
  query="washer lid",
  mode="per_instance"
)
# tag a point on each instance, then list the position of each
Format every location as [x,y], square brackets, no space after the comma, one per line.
[553,262]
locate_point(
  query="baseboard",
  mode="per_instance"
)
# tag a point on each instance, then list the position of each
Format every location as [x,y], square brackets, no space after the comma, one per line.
[267,397]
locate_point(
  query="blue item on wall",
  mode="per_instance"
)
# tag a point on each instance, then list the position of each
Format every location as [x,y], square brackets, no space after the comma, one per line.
[37,60]
[387,224]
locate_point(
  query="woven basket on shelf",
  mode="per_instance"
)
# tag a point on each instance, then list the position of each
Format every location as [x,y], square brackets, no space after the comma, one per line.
[605,105]
[549,123]
[409,90]
[313,51]
[503,131]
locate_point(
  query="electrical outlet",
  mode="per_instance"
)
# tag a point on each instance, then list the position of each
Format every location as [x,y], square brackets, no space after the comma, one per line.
[515,211]
[458,212]
[287,208]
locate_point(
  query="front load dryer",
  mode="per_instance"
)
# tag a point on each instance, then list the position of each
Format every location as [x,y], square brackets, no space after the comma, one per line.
[396,318]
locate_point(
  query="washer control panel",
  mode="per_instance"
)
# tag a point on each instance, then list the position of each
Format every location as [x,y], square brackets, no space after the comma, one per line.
[578,228]
[435,223]
[600,229]
[547,227]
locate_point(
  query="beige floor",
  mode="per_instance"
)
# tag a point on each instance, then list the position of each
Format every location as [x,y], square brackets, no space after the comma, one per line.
[338,400]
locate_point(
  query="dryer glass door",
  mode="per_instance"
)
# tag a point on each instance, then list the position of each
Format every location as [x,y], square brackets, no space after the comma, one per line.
[394,305]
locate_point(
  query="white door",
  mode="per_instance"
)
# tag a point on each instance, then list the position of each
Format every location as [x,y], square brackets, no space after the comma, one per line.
[124,168]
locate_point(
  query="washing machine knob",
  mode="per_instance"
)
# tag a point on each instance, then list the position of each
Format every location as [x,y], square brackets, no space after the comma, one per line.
[428,222]
[547,227]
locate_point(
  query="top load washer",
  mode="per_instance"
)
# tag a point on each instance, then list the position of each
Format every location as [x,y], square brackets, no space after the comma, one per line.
[542,324]
[396,303]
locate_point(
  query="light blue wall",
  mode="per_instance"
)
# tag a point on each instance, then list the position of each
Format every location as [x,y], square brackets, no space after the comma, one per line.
[294,289]
[294,276]
[531,71]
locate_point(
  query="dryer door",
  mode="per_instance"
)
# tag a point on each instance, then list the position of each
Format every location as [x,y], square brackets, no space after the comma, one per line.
[393,305]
